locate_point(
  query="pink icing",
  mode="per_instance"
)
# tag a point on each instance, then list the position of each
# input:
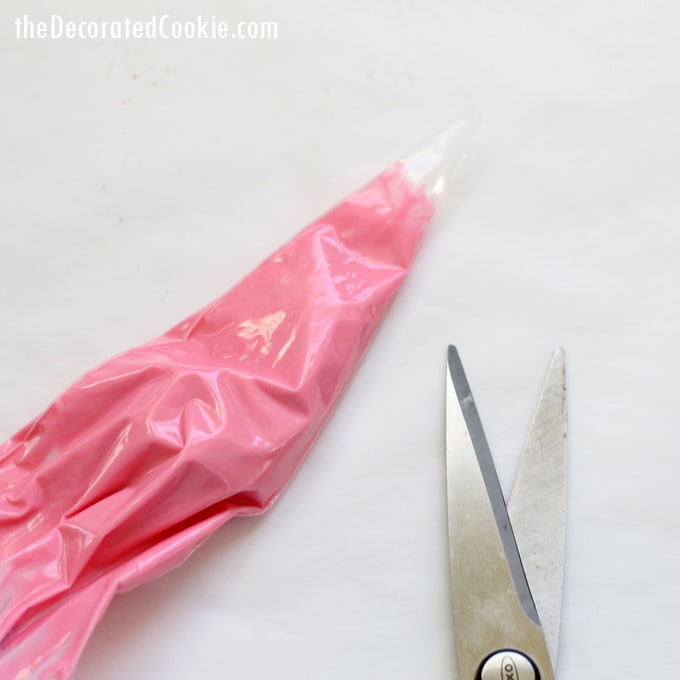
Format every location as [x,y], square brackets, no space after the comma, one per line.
[145,456]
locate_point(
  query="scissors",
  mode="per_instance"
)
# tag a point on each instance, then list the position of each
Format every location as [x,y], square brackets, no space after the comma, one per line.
[506,561]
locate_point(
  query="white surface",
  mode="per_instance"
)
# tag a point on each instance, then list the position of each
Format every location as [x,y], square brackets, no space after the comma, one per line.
[141,179]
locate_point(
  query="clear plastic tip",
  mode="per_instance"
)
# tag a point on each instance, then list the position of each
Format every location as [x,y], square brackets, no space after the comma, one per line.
[434,166]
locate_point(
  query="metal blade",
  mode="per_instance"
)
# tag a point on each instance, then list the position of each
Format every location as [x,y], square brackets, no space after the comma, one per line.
[538,502]
[492,604]
[493,488]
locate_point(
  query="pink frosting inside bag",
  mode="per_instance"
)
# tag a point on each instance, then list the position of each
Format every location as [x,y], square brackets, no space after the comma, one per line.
[140,460]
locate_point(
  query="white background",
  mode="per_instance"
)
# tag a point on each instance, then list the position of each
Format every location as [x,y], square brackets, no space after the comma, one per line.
[142,179]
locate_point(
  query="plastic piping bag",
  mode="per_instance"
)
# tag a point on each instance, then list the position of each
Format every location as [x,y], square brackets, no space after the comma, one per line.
[139,461]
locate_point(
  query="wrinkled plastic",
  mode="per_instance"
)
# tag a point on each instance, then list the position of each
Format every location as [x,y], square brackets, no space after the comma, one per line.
[132,467]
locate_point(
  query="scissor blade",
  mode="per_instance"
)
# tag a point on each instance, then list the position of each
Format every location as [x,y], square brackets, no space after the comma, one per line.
[492,604]
[538,502]
[475,432]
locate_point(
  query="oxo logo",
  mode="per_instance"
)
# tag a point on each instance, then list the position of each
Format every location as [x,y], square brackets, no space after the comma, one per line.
[508,669]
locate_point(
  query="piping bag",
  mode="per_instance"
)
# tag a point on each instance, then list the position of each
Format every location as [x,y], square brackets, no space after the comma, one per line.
[144,457]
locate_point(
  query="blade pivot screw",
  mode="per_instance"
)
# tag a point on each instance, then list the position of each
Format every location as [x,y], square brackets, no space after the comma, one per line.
[508,664]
